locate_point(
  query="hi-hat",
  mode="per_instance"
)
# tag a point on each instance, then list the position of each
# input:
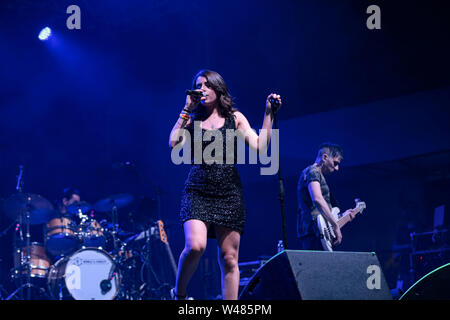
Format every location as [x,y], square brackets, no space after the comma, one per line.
[116,201]
[18,204]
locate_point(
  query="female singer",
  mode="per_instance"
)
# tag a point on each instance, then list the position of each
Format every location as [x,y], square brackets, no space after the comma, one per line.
[212,204]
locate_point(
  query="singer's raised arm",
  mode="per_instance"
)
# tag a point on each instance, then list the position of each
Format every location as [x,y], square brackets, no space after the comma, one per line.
[259,142]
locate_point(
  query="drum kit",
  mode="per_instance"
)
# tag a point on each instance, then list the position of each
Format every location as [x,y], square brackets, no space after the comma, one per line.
[79,257]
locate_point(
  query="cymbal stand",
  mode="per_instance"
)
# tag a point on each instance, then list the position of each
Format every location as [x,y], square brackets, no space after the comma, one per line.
[28,285]
[83,219]
[2,290]
[82,216]
[115,221]
[148,263]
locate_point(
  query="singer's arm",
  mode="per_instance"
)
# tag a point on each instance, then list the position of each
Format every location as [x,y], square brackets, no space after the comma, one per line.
[253,140]
[177,134]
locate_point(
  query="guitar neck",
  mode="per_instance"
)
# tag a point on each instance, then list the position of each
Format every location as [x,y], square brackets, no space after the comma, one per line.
[343,220]
[172,259]
[163,237]
[346,217]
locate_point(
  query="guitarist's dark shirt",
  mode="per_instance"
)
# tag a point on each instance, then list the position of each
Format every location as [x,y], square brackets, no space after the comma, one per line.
[307,210]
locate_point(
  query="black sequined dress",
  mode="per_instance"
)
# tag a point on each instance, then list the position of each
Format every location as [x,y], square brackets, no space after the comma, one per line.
[213,191]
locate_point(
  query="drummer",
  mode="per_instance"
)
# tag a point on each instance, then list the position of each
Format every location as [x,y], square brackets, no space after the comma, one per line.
[69,197]
[60,230]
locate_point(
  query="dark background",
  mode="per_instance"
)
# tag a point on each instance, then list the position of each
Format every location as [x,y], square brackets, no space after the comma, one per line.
[73,108]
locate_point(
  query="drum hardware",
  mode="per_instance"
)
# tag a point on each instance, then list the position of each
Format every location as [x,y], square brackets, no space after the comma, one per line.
[129,261]
[17,205]
[115,222]
[106,285]
[27,209]
[115,201]
[151,285]
[21,204]
[147,264]
[2,290]
[79,208]
[80,271]
[112,204]
[90,232]
[25,205]
[2,234]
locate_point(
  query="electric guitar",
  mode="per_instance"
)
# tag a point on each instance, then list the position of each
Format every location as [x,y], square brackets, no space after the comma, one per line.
[163,238]
[327,236]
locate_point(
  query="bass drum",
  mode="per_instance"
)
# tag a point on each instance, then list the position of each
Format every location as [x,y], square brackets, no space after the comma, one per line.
[88,274]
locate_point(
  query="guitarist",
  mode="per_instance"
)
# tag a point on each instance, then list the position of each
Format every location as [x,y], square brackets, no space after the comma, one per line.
[314,197]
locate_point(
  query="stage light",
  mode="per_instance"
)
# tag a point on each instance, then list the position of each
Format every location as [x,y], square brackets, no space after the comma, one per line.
[45,34]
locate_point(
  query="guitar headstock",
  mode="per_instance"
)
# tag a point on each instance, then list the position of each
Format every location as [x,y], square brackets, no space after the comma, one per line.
[360,206]
[162,232]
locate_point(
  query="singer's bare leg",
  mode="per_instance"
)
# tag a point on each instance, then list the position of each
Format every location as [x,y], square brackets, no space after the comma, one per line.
[195,233]
[228,256]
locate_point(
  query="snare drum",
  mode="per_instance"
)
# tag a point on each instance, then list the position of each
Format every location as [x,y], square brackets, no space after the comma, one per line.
[39,261]
[89,274]
[60,236]
[91,234]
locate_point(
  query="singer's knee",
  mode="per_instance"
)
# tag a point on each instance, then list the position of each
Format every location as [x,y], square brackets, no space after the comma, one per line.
[195,248]
[229,261]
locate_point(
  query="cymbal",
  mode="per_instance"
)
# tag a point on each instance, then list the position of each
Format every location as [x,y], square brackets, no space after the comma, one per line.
[39,208]
[120,232]
[118,201]
[75,207]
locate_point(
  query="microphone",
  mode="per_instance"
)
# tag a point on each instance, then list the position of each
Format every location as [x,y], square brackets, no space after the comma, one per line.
[275,104]
[195,93]
[105,285]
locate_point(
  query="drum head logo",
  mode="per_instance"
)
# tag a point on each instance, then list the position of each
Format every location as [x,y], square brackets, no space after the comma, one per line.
[77,261]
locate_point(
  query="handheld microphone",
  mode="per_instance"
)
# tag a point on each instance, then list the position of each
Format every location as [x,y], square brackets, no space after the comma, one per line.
[275,104]
[195,93]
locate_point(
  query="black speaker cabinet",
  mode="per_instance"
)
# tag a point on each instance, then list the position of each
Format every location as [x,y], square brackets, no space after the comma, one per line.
[318,275]
[433,286]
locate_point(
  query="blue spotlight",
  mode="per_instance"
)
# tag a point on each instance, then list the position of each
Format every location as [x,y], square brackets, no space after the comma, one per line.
[45,34]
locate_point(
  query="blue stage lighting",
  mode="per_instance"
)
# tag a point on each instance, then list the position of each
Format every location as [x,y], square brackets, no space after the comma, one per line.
[45,34]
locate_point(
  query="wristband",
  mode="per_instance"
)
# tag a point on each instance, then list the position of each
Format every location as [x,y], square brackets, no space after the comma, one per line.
[184,116]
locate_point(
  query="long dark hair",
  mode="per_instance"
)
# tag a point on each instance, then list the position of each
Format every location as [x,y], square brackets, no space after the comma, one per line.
[215,82]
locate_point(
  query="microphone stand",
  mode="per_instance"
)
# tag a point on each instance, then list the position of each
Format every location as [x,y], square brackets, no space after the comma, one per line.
[275,105]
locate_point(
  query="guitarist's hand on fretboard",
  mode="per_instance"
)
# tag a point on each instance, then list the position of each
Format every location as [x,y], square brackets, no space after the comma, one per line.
[351,213]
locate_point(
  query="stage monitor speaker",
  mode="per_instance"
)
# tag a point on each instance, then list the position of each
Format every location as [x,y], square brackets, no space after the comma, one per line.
[433,286]
[318,275]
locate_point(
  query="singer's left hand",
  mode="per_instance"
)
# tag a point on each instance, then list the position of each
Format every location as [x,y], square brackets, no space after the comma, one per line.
[275,97]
